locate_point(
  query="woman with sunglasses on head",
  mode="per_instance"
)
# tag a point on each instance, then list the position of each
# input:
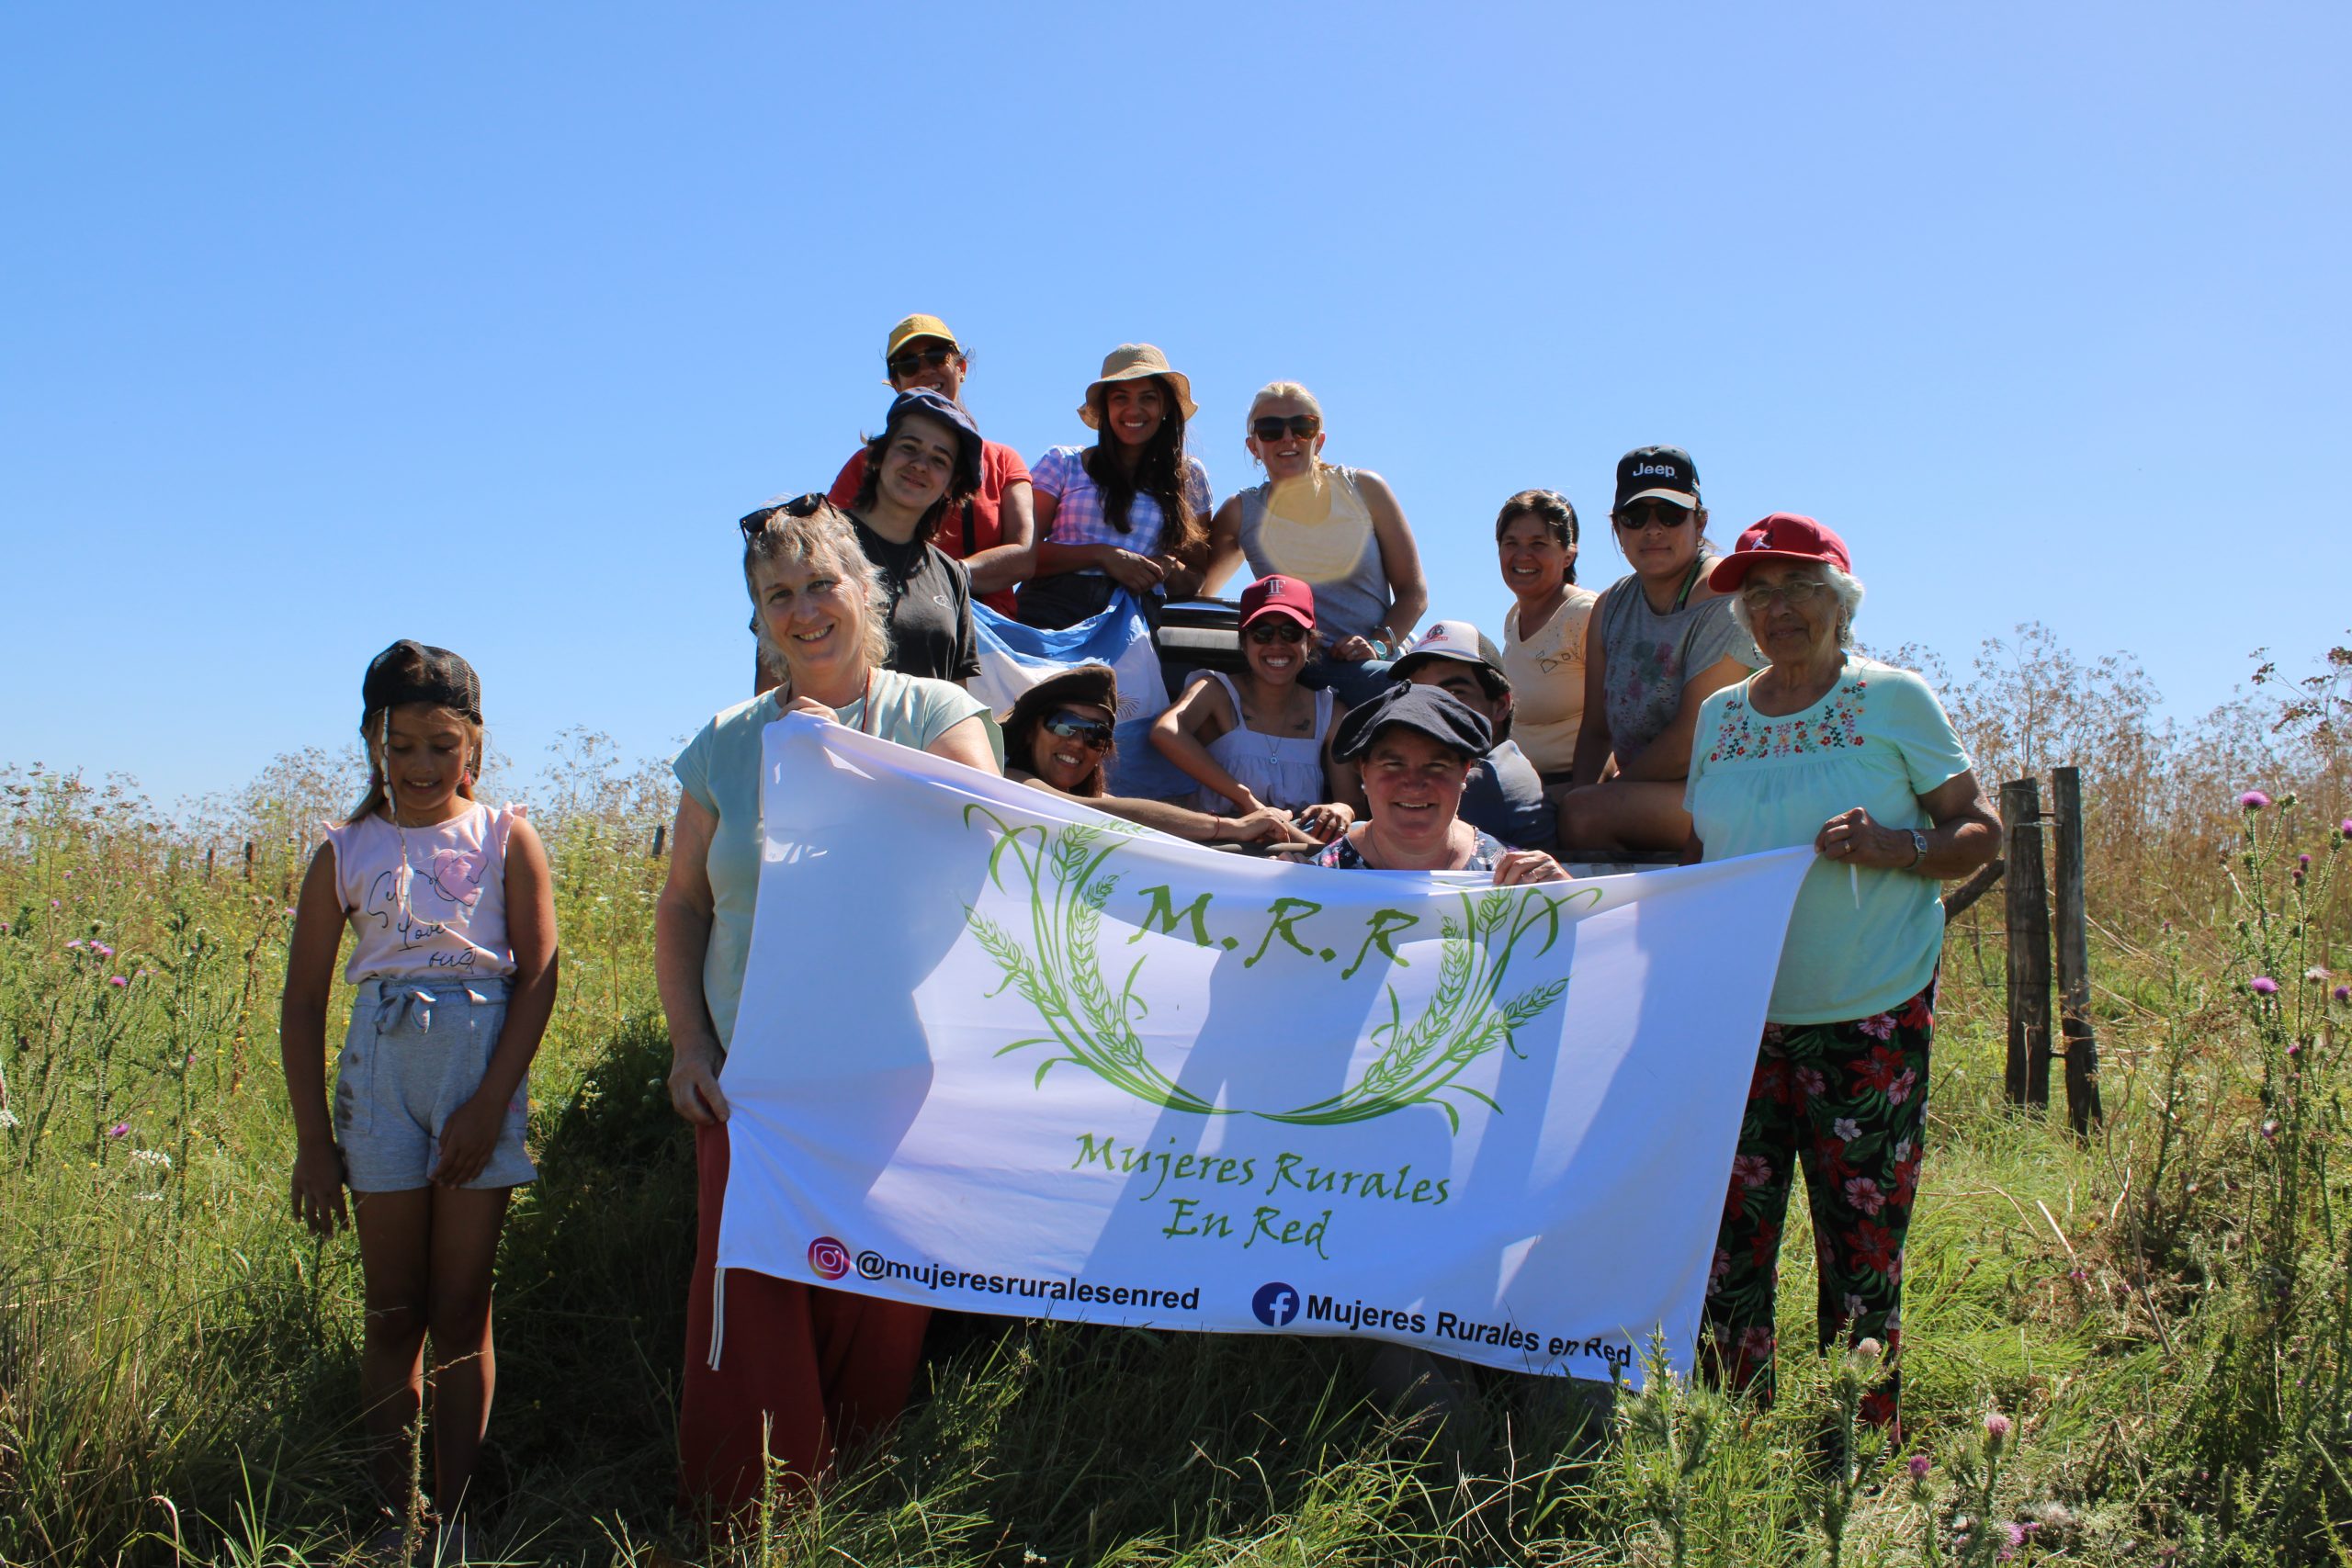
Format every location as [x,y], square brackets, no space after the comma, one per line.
[925,463]
[1057,737]
[1128,512]
[1338,529]
[1265,740]
[1659,641]
[993,530]
[809,1366]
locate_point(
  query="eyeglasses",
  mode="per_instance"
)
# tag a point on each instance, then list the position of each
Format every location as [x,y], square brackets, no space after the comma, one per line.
[799,506]
[1651,513]
[1272,427]
[1792,593]
[911,360]
[1273,630]
[1078,726]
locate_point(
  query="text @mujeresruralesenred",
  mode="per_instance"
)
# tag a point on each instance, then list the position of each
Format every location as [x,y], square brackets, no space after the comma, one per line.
[1615,1352]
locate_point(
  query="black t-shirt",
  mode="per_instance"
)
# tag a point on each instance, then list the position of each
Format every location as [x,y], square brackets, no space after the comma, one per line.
[1504,795]
[930,607]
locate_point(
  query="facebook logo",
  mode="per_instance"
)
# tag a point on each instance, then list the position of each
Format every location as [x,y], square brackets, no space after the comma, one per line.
[1275,1304]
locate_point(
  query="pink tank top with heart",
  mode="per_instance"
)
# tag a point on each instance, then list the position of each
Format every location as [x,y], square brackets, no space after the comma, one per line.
[426,903]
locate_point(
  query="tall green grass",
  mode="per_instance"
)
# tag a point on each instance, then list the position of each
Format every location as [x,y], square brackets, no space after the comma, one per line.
[2161,1315]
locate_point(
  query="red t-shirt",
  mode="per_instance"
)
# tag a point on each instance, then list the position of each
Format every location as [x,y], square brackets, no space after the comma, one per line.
[999,467]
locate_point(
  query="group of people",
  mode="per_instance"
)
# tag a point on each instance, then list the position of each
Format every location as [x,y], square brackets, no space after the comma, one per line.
[1708,703]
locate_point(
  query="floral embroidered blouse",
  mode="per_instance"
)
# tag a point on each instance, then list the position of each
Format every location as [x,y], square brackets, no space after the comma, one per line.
[1861,941]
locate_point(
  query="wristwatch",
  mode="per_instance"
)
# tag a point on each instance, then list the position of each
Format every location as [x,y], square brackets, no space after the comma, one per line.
[1918,849]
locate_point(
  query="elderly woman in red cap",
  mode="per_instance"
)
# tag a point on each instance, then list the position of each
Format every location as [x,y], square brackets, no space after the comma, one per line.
[1130,512]
[1823,746]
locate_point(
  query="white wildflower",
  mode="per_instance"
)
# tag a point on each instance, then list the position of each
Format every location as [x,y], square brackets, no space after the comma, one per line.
[152,1156]
[8,1122]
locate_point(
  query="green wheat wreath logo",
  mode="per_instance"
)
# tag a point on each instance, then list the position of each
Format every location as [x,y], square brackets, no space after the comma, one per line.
[1090,1025]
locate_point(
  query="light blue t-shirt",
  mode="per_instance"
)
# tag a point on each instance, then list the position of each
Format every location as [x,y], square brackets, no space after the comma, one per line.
[1878,740]
[721,769]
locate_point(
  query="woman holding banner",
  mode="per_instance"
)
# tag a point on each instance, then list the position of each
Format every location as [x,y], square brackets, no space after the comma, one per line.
[1057,737]
[1856,758]
[813,1367]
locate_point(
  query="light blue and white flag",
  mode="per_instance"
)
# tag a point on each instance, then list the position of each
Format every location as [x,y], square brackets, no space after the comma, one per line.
[1014,658]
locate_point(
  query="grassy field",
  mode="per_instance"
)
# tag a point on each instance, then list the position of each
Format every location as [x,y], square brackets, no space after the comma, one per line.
[2134,1351]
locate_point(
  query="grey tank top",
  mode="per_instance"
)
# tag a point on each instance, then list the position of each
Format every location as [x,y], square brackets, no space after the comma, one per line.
[1651,657]
[1339,556]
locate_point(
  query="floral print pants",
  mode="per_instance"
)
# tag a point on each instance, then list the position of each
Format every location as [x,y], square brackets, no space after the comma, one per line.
[1849,1102]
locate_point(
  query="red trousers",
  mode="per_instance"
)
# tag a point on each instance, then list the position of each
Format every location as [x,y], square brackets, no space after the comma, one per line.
[816,1368]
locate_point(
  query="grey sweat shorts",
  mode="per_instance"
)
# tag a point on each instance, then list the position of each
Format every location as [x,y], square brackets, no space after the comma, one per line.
[413,1056]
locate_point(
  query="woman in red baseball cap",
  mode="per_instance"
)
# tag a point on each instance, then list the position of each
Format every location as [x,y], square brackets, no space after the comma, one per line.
[1823,746]
[1265,740]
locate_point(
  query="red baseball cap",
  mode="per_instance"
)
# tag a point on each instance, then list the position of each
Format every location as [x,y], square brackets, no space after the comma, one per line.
[1783,536]
[1279,596]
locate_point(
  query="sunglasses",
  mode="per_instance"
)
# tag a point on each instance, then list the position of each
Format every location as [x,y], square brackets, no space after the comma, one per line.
[1270,428]
[916,360]
[799,506]
[1078,726]
[1651,513]
[1273,630]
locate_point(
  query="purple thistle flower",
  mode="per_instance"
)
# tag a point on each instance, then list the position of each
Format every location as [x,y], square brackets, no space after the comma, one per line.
[2342,993]
[2015,1531]
[101,949]
[1997,1427]
[117,980]
[2270,1132]
[2263,985]
[2345,827]
[119,1130]
[1920,1467]
[2254,800]
[73,946]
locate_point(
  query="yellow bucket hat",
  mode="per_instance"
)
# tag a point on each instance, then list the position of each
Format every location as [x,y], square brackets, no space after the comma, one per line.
[1133,362]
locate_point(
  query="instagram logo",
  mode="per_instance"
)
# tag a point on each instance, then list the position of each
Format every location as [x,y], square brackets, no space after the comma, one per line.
[828,1257]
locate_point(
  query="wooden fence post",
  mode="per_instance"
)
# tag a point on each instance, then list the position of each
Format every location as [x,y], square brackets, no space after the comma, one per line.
[2073,953]
[249,860]
[660,831]
[208,863]
[2026,889]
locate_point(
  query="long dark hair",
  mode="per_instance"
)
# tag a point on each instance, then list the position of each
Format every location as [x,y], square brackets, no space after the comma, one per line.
[962,480]
[1159,473]
[1549,507]
[1090,685]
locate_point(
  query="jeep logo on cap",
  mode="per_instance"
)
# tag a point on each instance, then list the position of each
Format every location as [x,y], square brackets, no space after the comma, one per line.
[1667,470]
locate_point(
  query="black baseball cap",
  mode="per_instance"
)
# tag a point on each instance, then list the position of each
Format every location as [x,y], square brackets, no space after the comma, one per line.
[1657,473]
[413,672]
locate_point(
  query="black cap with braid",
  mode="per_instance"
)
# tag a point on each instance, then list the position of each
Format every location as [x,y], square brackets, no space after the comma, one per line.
[411,671]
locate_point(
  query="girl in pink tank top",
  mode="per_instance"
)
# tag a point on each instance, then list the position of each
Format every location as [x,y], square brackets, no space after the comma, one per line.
[454,957]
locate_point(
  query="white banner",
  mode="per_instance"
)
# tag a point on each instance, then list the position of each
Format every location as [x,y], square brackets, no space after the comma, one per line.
[1003,1054]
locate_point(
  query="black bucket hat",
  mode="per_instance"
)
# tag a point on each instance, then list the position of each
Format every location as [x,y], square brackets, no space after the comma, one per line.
[1435,712]
[949,413]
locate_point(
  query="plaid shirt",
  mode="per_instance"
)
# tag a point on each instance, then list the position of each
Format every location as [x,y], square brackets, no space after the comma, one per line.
[1078,518]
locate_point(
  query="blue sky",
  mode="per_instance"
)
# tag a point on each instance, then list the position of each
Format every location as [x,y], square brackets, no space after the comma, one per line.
[325,325]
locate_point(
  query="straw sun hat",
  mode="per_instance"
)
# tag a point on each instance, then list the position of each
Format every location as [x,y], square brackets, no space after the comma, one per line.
[1132,362]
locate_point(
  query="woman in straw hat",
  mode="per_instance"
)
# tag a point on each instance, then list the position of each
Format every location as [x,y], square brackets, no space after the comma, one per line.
[1128,512]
